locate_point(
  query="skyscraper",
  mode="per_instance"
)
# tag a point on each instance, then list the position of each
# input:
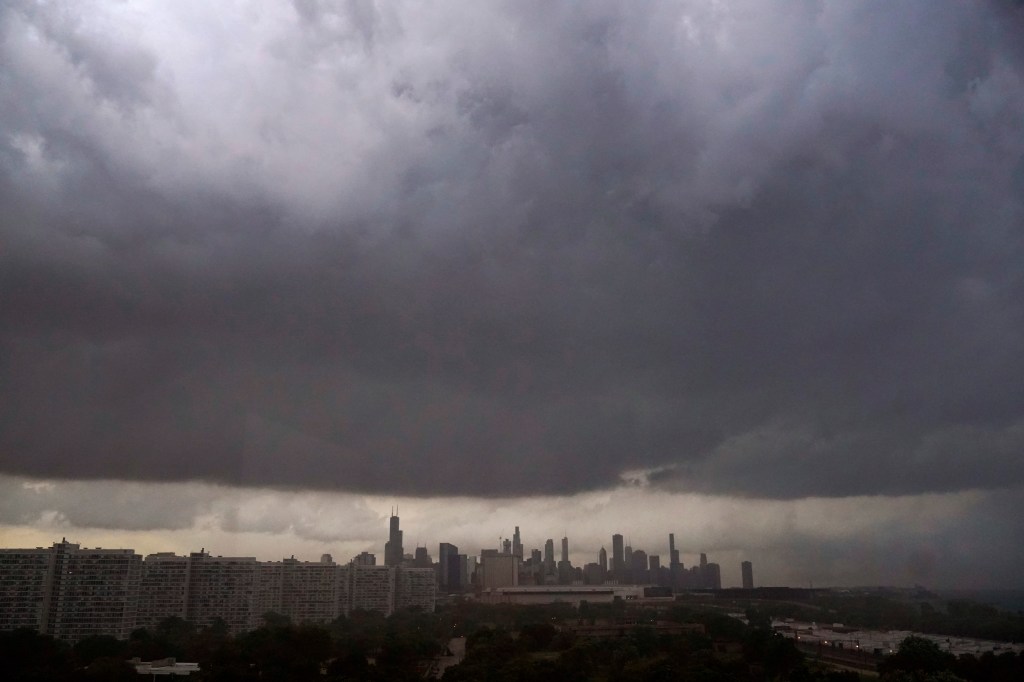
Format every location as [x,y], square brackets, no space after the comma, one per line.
[549,555]
[517,544]
[617,556]
[747,570]
[602,560]
[673,553]
[393,547]
[565,550]
[448,566]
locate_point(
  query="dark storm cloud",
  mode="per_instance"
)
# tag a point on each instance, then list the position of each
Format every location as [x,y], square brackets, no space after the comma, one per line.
[515,249]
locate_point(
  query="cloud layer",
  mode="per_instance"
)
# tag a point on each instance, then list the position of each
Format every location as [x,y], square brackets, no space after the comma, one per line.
[961,540]
[514,248]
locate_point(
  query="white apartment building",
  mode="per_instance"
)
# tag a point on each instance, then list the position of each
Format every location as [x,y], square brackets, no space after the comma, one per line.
[415,587]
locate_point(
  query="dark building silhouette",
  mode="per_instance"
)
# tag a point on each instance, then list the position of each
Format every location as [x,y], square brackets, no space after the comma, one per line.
[393,553]
[747,570]
[448,567]
[618,563]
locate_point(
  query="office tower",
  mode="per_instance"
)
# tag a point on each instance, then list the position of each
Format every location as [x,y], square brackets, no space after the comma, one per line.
[422,559]
[517,544]
[365,559]
[747,570]
[703,561]
[393,553]
[25,577]
[549,555]
[592,574]
[638,564]
[565,550]
[163,590]
[371,588]
[618,558]
[506,546]
[673,553]
[93,592]
[499,570]
[449,567]
[602,560]
[654,561]
[415,587]
[713,576]
[222,587]
[467,569]
[535,558]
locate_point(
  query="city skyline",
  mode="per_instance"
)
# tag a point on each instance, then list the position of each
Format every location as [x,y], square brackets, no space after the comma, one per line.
[747,274]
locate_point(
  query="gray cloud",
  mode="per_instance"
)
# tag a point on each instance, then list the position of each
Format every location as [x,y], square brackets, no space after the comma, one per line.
[514,249]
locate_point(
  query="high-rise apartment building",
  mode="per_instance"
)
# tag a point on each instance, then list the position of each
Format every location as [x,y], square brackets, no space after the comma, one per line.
[372,588]
[25,576]
[92,592]
[416,588]
[309,590]
[225,588]
[163,590]
[747,571]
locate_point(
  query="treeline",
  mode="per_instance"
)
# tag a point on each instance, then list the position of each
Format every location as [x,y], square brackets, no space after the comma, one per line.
[364,646]
[728,650]
[952,618]
[922,660]
[955,618]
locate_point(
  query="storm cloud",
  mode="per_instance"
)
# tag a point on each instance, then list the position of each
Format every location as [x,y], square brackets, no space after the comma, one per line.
[514,248]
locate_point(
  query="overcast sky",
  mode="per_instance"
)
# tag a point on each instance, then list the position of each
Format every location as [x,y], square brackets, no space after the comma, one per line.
[747,272]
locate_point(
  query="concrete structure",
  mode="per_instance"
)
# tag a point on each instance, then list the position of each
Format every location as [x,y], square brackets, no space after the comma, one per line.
[163,591]
[499,570]
[571,594]
[224,588]
[92,592]
[163,667]
[415,588]
[309,590]
[25,576]
[371,588]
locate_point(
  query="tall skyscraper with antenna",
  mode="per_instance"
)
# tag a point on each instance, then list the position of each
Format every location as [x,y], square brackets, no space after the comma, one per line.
[393,552]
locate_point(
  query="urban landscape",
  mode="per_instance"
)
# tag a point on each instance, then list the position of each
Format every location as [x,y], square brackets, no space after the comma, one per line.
[113,614]
[74,592]
[686,335]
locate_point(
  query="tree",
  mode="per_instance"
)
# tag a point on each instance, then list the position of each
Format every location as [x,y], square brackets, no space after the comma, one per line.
[917,655]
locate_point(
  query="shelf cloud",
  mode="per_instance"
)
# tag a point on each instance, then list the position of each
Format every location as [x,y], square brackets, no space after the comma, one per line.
[514,249]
